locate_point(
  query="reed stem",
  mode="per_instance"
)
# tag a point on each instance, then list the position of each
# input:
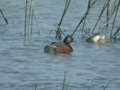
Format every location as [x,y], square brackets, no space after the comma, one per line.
[26,10]
[85,15]
[100,15]
[107,13]
[116,33]
[37,23]
[65,82]
[30,14]
[32,20]
[59,31]
[113,24]
[6,21]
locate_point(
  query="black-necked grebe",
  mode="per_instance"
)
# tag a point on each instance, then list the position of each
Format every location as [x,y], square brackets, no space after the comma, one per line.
[55,48]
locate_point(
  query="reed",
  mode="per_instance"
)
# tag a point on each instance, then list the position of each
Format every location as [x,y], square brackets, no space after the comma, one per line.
[107,22]
[83,27]
[65,83]
[6,21]
[113,24]
[26,10]
[109,16]
[36,86]
[100,15]
[29,13]
[30,16]
[107,12]
[59,30]
[90,4]
[103,26]
[116,33]
[36,22]
[109,82]
[32,21]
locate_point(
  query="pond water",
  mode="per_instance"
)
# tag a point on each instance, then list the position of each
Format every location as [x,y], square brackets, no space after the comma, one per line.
[23,64]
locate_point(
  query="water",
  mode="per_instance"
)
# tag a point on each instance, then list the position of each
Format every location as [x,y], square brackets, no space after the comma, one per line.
[24,64]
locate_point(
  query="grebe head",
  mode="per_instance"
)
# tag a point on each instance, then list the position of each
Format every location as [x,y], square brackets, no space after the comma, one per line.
[68,39]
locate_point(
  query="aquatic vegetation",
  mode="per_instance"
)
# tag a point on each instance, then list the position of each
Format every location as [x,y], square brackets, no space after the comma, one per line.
[113,24]
[65,82]
[109,10]
[100,15]
[29,19]
[105,82]
[3,15]
[116,35]
[59,31]
[26,10]
[90,4]
[111,15]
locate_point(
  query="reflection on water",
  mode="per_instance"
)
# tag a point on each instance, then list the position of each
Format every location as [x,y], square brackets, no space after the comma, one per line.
[23,64]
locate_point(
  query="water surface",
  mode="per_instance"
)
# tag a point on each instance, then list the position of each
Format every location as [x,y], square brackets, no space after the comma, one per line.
[23,64]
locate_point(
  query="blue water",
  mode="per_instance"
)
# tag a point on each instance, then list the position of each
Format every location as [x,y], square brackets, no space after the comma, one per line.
[23,64]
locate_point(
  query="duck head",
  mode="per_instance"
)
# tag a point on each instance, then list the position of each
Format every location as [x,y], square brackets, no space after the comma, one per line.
[68,39]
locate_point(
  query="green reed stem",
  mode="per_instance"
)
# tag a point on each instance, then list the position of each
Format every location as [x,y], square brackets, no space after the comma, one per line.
[6,21]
